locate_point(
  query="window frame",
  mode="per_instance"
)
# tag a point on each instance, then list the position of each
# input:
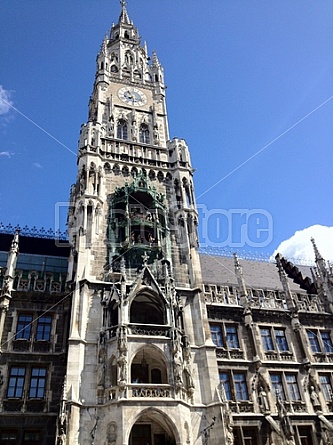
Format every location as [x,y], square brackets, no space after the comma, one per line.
[235,385]
[287,385]
[27,382]
[266,339]
[216,334]
[122,129]
[320,341]
[16,382]
[326,387]
[40,378]
[229,340]
[24,326]
[275,339]
[43,327]
[327,342]
[144,134]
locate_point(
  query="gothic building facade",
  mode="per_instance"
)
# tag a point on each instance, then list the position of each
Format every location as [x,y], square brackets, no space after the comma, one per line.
[146,342]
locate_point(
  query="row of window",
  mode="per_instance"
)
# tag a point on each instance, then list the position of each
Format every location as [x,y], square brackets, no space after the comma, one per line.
[26,327]
[303,435]
[272,338]
[31,382]
[284,384]
[122,132]
[26,381]
[26,437]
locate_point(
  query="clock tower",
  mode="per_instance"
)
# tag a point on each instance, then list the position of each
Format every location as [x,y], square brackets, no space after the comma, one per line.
[141,366]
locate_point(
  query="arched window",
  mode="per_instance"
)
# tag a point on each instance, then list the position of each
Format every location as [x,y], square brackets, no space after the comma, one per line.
[147,309]
[122,129]
[144,134]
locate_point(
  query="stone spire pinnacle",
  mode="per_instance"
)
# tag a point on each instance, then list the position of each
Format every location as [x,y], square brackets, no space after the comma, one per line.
[323,277]
[124,18]
[319,259]
[240,278]
[155,61]
[286,288]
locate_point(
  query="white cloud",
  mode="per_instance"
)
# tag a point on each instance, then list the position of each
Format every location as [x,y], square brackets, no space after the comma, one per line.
[37,165]
[8,154]
[299,247]
[5,101]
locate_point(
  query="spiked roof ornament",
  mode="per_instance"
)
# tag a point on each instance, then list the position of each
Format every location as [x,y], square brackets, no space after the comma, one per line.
[123,18]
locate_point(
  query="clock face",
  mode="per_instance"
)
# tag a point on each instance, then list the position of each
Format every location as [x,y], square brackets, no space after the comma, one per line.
[132,96]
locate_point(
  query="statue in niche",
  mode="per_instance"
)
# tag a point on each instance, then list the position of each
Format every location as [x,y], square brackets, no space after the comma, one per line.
[189,378]
[111,434]
[314,398]
[61,439]
[263,401]
[122,339]
[186,350]
[285,423]
[156,135]
[101,366]
[122,367]
[177,367]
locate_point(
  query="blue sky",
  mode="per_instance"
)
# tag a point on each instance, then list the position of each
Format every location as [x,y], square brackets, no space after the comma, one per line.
[250,88]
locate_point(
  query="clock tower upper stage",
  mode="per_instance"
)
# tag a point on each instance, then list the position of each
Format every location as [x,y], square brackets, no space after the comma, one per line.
[128,100]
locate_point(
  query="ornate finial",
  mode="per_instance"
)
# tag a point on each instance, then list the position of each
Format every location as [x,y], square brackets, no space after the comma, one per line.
[123,15]
[237,265]
[316,251]
[145,258]
[14,245]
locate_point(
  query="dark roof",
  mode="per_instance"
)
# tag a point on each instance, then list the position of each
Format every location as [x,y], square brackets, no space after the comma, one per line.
[257,274]
[38,254]
[36,246]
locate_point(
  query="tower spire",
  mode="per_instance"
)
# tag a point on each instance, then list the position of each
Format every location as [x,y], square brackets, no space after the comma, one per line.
[124,18]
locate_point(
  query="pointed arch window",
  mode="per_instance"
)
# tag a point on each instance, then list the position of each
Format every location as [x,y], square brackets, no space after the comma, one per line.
[122,132]
[147,309]
[144,135]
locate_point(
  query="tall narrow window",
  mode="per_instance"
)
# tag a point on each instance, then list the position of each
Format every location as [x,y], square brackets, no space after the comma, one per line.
[23,328]
[327,341]
[216,332]
[37,383]
[44,325]
[122,129]
[16,382]
[326,386]
[232,338]
[240,386]
[292,386]
[144,134]
[276,380]
[281,341]
[313,340]
[225,382]
[266,339]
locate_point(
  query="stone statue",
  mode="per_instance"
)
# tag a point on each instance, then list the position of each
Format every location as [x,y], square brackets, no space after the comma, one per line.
[263,399]
[122,363]
[314,398]
[177,366]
